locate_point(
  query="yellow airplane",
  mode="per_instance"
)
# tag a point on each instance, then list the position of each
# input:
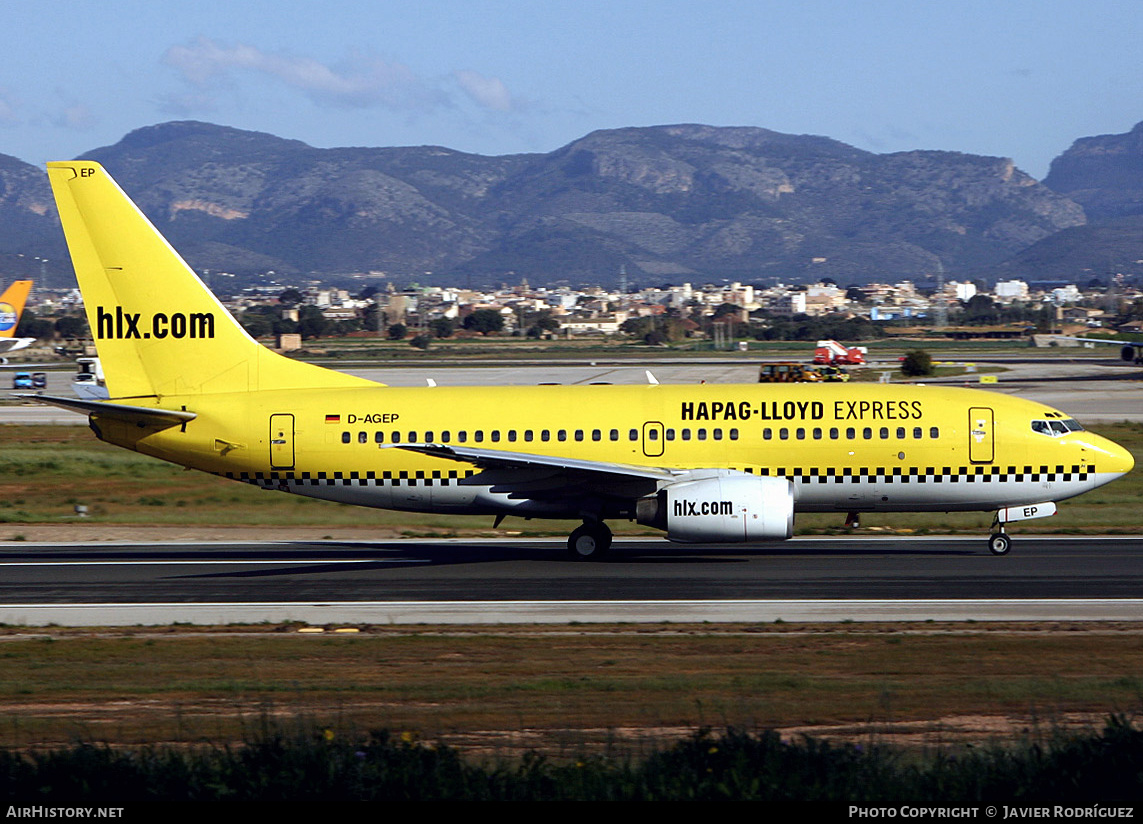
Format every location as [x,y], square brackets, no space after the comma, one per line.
[11,307]
[706,463]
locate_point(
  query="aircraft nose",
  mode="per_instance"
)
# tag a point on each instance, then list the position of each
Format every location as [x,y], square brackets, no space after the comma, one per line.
[1111,458]
[1123,460]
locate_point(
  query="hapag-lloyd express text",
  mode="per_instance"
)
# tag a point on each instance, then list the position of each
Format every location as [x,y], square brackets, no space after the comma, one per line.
[855,410]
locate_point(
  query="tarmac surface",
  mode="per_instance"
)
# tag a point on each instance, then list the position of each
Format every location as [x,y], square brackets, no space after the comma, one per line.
[1093,390]
[524,581]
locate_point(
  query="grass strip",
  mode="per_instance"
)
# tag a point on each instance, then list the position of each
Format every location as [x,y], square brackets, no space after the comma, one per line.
[559,688]
[51,469]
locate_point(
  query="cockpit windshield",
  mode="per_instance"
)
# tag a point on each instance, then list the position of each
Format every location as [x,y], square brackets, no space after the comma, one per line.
[1057,427]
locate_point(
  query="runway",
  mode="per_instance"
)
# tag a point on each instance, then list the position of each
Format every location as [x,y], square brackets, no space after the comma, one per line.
[526,581]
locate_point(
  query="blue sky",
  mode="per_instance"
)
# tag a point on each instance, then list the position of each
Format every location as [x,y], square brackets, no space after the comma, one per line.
[1018,79]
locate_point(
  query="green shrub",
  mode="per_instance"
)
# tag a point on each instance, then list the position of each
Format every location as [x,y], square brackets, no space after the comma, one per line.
[917,363]
[317,765]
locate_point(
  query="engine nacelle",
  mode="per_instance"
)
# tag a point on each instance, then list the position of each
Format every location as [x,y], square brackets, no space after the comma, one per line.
[729,508]
[1129,354]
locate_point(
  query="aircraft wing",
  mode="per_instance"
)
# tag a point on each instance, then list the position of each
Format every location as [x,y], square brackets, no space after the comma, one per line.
[527,475]
[496,459]
[1103,340]
[12,344]
[1130,350]
[144,415]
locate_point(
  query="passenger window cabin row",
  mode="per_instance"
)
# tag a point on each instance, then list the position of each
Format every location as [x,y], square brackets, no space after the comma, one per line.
[883,433]
[544,435]
[701,434]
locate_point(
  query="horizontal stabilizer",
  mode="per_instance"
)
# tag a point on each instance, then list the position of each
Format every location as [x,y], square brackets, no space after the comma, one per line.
[142,415]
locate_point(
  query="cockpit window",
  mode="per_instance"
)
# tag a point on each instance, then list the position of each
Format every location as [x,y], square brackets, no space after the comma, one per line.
[1055,428]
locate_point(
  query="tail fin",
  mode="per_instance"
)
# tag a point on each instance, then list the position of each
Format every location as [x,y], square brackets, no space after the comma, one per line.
[159,331]
[12,306]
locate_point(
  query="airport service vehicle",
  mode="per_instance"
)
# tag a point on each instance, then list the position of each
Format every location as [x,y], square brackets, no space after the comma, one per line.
[709,463]
[787,373]
[88,382]
[830,352]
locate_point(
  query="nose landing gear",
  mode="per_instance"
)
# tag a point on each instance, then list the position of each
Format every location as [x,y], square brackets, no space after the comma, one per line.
[999,543]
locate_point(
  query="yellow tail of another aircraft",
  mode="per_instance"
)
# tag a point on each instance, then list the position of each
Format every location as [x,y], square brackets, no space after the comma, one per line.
[158,329]
[12,306]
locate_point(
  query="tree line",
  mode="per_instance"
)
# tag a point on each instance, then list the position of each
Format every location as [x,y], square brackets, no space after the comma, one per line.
[673,326]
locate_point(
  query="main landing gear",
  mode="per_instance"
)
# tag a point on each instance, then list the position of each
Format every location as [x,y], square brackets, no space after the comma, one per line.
[590,541]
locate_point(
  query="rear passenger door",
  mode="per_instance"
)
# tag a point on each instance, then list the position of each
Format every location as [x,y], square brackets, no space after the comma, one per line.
[281,441]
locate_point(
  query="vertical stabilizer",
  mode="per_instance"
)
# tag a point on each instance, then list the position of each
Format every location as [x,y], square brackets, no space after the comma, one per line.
[159,331]
[12,306]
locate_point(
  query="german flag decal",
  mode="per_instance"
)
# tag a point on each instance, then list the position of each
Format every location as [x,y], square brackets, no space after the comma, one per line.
[333,418]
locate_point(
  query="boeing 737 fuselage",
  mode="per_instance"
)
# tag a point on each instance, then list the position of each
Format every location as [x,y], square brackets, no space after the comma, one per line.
[707,463]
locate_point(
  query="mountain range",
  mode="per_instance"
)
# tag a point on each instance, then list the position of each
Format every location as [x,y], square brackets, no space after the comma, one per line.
[662,204]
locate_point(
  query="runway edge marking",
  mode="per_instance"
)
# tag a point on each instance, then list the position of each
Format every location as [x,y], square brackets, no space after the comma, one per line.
[560,612]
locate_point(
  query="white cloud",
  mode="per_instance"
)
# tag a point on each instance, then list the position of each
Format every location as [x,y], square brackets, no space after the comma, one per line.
[489,92]
[363,80]
[76,116]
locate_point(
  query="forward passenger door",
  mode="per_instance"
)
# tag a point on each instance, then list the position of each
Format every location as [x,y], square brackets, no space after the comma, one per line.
[981,444]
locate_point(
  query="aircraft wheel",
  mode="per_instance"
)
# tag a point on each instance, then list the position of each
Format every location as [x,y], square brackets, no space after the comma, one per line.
[589,542]
[999,543]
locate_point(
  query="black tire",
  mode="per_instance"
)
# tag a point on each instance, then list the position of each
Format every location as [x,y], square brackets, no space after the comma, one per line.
[999,543]
[589,542]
